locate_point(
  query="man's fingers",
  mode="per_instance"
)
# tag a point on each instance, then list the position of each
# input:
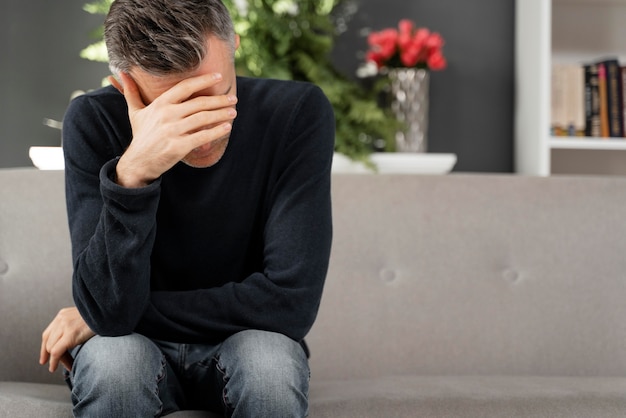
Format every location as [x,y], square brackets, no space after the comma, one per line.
[131,92]
[44,356]
[206,136]
[59,353]
[46,339]
[67,361]
[49,345]
[209,119]
[184,90]
[43,353]
[208,103]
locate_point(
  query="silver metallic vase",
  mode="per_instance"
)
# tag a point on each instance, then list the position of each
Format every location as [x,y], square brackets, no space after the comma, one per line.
[409,102]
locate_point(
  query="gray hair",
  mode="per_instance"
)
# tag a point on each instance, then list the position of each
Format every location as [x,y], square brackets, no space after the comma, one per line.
[164,37]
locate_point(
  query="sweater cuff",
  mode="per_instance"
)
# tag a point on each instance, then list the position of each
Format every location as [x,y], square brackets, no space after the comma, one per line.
[109,186]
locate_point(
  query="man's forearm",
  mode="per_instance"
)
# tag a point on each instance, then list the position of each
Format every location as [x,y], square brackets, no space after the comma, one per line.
[114,240]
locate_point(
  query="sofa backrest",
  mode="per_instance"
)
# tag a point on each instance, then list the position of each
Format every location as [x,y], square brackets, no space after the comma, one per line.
[457,274]
[474,274]
[35,267]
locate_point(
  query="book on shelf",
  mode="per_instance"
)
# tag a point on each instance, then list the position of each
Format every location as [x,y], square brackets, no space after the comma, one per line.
[623,77]
[604,106]
[589,99]
[568,100]
[592,100]
[614,93]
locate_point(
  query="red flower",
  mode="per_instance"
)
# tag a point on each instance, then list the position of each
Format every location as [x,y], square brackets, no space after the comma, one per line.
[407,46]
[383,44]
[435,41]
[436,61]
[406,26]
[406,29]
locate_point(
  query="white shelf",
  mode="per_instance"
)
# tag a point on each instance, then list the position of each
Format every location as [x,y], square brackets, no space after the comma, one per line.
[593,2]
[570,31]
[606,144]
[397,163]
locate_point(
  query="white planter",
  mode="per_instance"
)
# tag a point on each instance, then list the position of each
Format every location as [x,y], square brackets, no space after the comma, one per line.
[51,158]
[398,163]
[47,158]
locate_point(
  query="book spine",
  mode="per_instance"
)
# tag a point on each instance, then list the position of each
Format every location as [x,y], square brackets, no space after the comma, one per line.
[604,111]
[614,99]
[623,76]
[588,107]
[592,101]
[558,119]
[577,82]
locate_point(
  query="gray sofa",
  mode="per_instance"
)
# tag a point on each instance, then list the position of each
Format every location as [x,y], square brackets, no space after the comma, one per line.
[447,296]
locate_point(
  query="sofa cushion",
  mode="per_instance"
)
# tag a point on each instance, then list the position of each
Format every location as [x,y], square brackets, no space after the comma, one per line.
[474,275]
[35,268]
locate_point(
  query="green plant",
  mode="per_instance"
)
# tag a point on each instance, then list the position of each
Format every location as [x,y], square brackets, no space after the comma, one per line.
[97,51]
[292,40]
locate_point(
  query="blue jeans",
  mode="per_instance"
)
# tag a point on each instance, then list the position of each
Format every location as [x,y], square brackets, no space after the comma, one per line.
[250,374]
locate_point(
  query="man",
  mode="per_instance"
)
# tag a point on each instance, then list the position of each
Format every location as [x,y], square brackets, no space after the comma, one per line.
[200,219]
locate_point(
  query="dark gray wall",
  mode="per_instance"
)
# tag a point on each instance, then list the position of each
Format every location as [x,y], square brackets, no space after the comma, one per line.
[471,102]
[40,67]
[471,111]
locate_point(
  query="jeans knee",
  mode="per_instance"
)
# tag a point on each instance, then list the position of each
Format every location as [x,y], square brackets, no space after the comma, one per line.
[117,374]
[265,370]
[127,357]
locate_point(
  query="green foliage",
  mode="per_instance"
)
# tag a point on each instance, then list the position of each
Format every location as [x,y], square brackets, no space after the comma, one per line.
[292,40]
[97,51]
[100,7]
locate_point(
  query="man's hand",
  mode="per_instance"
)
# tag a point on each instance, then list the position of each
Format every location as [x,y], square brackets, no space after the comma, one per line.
[170,127]
[66,331]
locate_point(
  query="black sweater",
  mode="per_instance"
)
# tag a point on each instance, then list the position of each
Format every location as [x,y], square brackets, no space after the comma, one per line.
[201,254]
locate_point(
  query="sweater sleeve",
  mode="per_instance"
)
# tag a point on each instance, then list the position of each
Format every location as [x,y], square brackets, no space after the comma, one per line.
[112,229]
[285,296]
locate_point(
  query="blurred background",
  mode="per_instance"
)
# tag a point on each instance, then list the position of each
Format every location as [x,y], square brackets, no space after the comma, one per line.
[471,101]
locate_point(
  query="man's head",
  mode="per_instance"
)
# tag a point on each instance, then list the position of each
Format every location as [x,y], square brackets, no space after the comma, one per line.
[159,43]
[164,37]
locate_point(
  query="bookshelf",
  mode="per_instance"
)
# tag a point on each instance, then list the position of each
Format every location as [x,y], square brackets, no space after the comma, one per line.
[563,31]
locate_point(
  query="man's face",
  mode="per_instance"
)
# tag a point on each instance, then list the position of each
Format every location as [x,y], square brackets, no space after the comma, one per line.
[219,59]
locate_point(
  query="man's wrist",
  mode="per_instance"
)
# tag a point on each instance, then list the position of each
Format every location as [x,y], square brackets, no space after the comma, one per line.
[127,177]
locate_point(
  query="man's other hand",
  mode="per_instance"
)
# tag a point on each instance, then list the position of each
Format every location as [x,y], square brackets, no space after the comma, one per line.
[66,331]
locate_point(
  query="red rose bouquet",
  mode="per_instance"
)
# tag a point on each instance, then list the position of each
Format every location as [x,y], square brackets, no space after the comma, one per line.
[407,46]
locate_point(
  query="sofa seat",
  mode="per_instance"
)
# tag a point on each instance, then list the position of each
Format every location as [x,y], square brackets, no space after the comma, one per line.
[34,400]
[470,397]
[43,400]
[398,396]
